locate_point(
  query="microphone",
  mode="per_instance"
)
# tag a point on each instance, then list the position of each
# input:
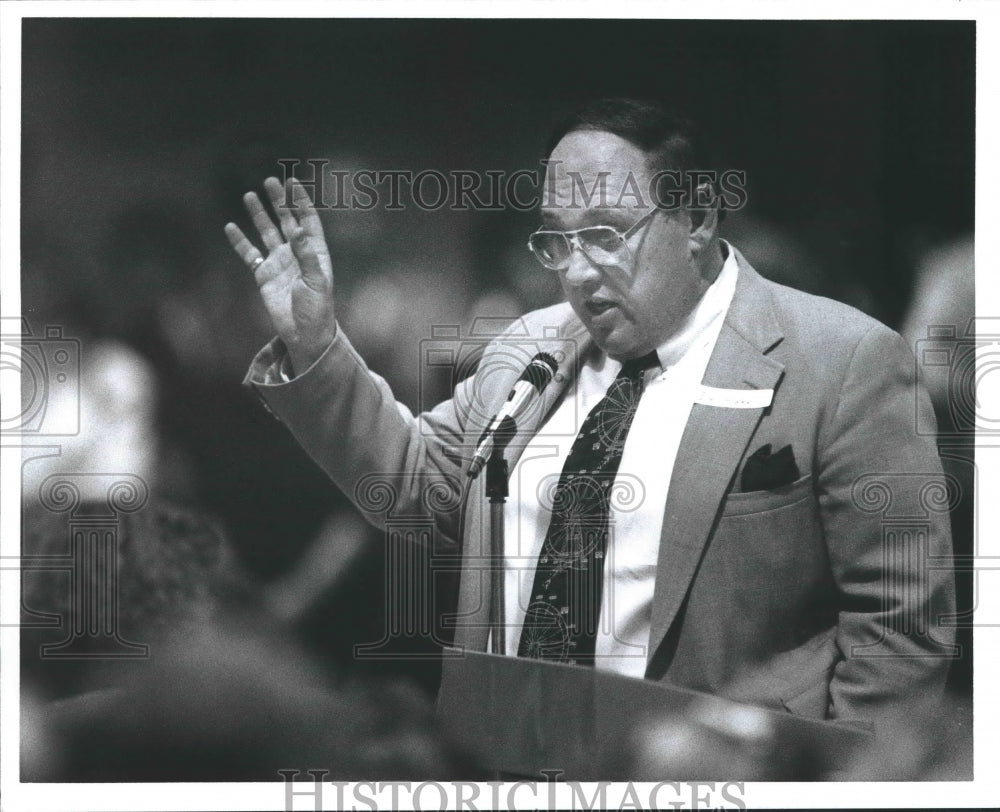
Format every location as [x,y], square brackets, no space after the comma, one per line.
[533,380]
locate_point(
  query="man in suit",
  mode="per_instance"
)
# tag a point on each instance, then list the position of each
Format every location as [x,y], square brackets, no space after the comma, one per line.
[782,539]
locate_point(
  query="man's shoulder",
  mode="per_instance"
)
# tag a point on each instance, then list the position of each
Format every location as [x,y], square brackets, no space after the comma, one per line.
[818,322]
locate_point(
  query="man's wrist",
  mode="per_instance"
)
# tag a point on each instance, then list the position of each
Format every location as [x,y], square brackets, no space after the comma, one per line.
[299,359]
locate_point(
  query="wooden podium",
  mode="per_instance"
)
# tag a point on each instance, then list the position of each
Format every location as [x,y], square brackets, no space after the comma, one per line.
[521,717]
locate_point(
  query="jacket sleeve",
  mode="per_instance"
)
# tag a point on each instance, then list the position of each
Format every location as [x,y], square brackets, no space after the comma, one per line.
[884,506]
[373,448]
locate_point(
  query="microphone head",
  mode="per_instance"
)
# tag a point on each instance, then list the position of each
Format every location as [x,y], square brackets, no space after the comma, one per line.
[540,371]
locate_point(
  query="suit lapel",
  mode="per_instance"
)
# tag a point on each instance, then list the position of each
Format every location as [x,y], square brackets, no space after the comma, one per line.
[713,443]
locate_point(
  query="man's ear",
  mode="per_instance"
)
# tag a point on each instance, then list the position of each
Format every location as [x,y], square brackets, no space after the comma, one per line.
[704,215]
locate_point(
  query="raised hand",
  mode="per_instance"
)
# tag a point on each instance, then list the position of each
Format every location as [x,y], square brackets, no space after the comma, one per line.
[295,277]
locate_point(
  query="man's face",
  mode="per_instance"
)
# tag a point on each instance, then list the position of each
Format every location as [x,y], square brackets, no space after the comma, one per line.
[632,307]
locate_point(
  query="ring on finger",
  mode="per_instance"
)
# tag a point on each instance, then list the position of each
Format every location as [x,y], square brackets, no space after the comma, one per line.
[256,263]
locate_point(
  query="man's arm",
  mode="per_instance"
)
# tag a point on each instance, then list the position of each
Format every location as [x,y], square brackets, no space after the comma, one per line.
[344,415]
[885,519]
[347,419]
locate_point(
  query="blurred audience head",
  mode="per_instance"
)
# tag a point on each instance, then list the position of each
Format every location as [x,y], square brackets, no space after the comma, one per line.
[112,398]
[173,569]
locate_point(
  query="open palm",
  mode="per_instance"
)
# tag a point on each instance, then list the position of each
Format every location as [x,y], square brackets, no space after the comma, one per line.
[295,278]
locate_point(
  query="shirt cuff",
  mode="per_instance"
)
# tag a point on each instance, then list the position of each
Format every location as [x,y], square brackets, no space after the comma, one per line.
[272,366]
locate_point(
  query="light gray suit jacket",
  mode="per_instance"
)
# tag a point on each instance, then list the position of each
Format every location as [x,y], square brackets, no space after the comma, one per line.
[828,597]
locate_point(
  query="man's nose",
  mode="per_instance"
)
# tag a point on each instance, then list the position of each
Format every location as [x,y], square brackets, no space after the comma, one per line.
[581,271]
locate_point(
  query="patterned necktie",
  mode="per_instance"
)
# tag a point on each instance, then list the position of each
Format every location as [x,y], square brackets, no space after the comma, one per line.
[562,617]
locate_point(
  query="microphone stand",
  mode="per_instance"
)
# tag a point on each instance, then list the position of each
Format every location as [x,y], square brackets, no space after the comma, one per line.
[497,489]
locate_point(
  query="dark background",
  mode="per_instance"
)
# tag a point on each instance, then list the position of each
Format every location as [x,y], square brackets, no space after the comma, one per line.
[140,136]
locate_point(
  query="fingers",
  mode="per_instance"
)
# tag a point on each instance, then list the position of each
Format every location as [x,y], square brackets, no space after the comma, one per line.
[314,265]
[268,231]
[299,225]
[294,207]
[244,249]
[289,225]
[308,218]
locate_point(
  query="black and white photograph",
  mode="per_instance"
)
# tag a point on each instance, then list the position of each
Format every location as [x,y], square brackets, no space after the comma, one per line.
[529,410]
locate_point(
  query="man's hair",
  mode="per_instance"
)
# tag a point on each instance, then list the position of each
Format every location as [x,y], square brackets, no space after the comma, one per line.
[670,140]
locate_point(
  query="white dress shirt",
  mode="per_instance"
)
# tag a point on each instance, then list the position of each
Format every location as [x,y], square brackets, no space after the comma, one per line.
[639,494]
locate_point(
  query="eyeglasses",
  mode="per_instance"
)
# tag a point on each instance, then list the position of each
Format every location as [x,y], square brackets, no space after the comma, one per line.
[603,245]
